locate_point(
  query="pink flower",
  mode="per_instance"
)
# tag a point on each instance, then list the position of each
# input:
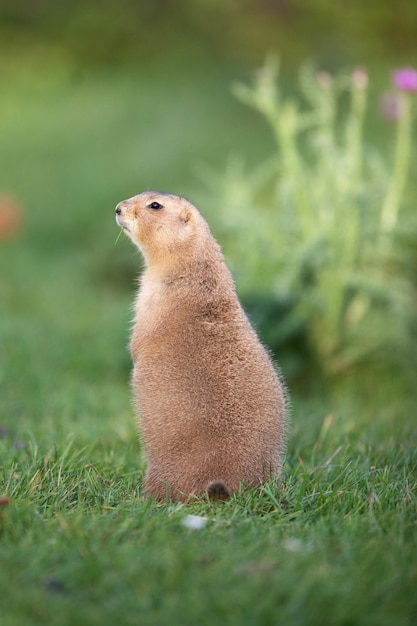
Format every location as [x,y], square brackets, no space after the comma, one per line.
[391,106]
[360,78]
[405,79]
[324,79]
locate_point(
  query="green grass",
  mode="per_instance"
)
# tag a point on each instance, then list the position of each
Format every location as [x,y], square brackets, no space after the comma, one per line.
[334,543]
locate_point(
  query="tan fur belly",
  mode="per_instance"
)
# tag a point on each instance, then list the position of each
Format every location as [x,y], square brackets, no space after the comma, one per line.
[204,425]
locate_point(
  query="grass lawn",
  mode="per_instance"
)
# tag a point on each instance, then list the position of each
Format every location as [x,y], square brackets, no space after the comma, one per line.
[334,543]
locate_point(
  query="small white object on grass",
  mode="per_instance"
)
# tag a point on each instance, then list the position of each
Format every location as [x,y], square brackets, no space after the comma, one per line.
[292,544]
[194,521]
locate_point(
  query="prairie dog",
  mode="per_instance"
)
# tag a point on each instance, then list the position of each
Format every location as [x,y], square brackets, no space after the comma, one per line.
[210,403]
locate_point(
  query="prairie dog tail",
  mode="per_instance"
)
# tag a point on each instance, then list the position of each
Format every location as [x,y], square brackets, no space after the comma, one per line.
[218,490]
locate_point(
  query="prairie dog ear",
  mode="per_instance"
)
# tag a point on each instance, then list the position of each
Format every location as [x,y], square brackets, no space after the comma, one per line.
[185,215]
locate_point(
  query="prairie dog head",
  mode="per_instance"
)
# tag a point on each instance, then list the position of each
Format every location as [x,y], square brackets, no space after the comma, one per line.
[163,226]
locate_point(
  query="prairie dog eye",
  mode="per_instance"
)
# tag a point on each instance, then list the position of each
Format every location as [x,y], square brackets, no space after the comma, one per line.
[155,205]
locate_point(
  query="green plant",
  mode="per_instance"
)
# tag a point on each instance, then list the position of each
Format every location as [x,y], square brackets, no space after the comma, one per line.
[323,217]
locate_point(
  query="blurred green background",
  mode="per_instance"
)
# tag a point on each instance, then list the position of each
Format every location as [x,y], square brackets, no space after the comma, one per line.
[101,100]
[309,184]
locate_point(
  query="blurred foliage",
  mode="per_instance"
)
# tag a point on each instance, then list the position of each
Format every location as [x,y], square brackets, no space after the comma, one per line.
[111,31]
[102,99]
[313,231]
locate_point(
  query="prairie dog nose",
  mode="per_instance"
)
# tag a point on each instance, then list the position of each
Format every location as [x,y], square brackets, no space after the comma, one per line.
[124,204]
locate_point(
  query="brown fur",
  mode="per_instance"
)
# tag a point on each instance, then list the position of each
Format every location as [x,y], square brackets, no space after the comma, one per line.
[210,403]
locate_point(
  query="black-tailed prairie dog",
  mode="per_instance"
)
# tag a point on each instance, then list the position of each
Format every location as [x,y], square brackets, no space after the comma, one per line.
[211,405]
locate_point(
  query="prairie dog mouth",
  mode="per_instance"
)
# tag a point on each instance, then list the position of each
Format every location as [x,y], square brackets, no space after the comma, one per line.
[121,222]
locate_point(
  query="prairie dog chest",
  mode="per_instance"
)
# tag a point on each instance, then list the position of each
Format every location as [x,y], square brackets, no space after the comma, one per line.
[154,317]
[148,299]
